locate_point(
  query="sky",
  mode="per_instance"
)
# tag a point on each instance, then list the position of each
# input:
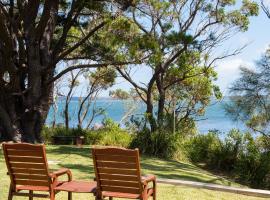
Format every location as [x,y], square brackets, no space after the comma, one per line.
[257,39]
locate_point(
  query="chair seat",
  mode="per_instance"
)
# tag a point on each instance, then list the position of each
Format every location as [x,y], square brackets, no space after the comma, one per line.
[36,188]
[121,195]
[78,186]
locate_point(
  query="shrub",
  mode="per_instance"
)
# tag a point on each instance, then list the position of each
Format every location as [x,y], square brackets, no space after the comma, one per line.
[253,166]
[110,135]
[244,156]
[159,143]
[203,148]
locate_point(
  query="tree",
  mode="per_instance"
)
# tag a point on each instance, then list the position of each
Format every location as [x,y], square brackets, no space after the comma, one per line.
[73,82]
[35,37]
[177,39]
[251,96]
[119,94]
[98,80]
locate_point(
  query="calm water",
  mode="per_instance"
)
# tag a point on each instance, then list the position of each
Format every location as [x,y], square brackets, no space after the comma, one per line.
[214,118]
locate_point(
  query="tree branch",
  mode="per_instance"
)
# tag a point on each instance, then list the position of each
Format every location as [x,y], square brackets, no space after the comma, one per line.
[44,17]
[265,9]
[71,49]
[83,66]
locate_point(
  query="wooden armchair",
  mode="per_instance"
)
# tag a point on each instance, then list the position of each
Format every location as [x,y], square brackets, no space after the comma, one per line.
[118,175]
[28,170]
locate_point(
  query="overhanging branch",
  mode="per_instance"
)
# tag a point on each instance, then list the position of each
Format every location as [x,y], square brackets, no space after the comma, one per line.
[84,66]
[71,49]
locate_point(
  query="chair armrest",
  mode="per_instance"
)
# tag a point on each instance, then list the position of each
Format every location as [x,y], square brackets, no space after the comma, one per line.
[61,172]
[149,178]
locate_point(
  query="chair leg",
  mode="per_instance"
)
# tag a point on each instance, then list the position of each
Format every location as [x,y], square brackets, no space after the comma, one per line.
[155,191]
[69,195]
[30,195]
[154,196]
[10,193]
[52,195]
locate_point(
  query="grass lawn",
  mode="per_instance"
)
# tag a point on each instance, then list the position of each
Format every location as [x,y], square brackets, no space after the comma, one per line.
[80,162]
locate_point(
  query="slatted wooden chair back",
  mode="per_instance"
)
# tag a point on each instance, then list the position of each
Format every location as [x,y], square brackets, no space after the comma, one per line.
[117,170]
[27,164]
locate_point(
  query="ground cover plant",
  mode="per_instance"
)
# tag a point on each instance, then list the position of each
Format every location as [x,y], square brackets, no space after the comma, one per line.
[80,162]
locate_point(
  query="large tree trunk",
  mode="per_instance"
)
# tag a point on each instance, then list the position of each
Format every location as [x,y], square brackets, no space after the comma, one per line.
[24,107]
[161,100]
[150,111]
[22,118]
[26,58]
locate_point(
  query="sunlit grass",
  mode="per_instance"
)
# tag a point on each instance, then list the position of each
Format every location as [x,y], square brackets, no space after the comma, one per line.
[80,162]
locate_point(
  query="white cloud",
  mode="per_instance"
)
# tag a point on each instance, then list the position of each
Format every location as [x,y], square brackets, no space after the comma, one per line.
[228,71]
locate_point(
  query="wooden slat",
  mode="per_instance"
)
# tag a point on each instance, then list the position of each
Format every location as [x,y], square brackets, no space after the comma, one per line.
[117,171]
[27,166]
[29,171]
[24,153]
[26,159]
[116,165]
[115,151]
[114,158]
[120,183]
[117,177]
[24,146]
[120,189]
[31,182]
[31,177]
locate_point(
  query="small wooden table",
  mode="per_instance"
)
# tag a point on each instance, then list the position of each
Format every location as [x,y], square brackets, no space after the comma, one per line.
[78,187]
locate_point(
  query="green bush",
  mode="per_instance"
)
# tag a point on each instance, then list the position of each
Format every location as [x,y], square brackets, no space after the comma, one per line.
[202,147]
[253,166]
[216,152]
[240,154]
[110,135]
[160,143]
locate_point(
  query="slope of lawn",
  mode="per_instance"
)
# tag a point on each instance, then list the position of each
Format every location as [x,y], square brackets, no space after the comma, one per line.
[80,162]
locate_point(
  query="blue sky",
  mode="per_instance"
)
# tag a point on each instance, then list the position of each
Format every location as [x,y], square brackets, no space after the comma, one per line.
[258,39]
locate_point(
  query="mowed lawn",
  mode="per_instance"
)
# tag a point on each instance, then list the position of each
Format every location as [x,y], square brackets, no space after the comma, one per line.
[80,162]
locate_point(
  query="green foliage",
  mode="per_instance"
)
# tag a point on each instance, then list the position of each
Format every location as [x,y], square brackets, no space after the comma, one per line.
[110,135]
[253,166]
[159,143]
[102,78]
[251,96]
[240,154]
[119,94]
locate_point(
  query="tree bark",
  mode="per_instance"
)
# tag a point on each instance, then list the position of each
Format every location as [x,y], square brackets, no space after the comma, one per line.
[150,111]
[161,100]
[33,39]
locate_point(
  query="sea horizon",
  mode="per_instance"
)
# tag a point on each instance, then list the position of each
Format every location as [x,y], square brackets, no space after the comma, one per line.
[215,117]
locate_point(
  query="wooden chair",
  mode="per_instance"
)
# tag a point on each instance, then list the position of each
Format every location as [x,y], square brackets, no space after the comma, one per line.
[28,170]
[118,175]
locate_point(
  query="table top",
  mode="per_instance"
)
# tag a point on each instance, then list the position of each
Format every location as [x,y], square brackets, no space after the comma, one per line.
[78,186]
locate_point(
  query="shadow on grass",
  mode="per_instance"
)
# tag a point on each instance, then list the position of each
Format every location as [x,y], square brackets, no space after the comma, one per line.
[167,164]
[162,168]
[59,150]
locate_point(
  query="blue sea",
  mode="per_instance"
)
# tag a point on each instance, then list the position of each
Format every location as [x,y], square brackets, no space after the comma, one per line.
[215,116]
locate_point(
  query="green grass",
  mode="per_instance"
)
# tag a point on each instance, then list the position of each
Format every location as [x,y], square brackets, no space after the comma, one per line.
[80,162]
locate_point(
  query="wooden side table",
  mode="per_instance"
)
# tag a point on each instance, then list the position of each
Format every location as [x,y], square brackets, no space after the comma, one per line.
[78,187]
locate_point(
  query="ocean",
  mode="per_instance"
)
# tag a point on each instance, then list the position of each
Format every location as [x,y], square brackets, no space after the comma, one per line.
[215,116]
